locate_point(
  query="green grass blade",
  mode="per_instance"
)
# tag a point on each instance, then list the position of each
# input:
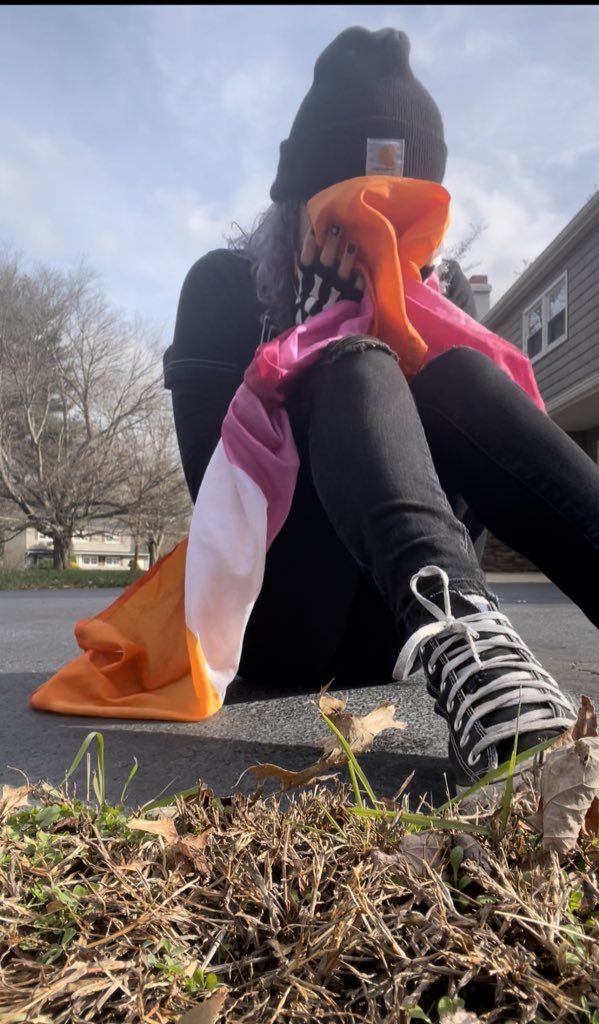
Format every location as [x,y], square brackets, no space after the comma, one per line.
[509,784]
[81,752]
[166,801]
[98,782]
[97,789]
[355,785]
[422,820]
[351,758]
[128,780]
[101,769]
[497,774]
[332,821]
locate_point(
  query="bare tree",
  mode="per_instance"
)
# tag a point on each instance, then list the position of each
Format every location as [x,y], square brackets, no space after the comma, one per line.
[156,488]
[12,523]
[77,384]
[463,246]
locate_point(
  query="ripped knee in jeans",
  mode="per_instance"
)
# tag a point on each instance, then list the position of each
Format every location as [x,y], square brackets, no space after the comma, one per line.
[355,343]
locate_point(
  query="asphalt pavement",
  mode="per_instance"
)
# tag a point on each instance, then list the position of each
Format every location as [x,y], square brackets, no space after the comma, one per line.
[36,638]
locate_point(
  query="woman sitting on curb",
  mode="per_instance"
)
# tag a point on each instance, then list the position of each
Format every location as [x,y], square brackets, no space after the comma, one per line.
[372,560]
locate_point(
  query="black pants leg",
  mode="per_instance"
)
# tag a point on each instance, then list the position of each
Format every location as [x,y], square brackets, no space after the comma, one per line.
[375,477]
[378,460]
[530,483]
[368,512]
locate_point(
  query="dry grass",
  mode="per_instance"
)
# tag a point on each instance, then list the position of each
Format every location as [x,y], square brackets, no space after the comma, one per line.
[294,911]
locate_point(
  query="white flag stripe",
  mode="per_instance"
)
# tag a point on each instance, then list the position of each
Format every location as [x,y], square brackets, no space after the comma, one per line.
[225,564]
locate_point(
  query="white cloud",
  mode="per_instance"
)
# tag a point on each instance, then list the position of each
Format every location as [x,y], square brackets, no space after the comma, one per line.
[57,203]
[572,155]
[229,101]
[482,43]
[520,220]
[427,33]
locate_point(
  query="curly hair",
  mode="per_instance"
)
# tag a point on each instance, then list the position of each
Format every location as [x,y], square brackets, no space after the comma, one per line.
[272,246]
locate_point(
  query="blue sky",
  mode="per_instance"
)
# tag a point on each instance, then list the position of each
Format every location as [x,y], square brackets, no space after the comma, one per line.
[134,136]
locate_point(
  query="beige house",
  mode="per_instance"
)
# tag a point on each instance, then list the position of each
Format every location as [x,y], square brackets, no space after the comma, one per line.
[102,550]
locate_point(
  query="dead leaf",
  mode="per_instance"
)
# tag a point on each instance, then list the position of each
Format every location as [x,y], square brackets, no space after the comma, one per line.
[361,731]
[207,1011]
[417,849]
[188,846]
[591,821]
[569,801]
[586,723]
[421,848]
[473,850]
[13,797]
[165,828]
[383,860]
[191,847]
[358,731]
[331,705]
[290,780]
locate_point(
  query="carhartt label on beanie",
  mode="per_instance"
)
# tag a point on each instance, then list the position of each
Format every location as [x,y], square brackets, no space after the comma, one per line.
[385,156]
[363,88]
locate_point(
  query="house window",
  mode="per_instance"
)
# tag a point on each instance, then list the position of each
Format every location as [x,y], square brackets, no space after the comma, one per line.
[534,330]
[556,313]
[112,560]
[89,559]
[545,322]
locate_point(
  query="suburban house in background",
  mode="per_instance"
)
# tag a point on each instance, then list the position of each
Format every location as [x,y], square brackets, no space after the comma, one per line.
[102,550]
[552,314]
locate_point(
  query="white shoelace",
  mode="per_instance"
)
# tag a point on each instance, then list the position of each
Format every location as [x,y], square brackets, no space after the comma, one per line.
[528,684]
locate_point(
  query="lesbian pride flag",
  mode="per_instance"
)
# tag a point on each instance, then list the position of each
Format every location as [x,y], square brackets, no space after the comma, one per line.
[168,647]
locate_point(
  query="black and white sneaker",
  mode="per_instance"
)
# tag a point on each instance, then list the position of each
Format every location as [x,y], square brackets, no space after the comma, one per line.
[486,682]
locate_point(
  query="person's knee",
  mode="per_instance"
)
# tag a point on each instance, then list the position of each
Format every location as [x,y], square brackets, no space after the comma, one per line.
[457,374]
[352,367]
[354,344]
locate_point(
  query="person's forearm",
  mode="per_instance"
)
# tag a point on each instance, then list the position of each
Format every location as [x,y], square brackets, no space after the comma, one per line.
[199,408]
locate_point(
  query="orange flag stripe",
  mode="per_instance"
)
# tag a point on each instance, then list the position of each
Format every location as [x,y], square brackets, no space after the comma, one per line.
[138,660]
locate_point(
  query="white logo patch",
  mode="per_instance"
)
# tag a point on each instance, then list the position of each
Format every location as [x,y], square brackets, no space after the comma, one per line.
[385,156]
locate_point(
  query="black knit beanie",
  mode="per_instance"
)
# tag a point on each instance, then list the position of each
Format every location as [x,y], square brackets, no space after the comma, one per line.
[364,96]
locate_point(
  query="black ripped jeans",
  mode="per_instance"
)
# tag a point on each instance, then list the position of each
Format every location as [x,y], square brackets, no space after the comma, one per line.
[383,466]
